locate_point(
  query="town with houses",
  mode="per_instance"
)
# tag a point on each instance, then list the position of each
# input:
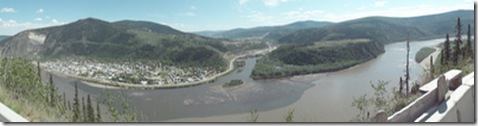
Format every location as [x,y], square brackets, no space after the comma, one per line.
[129,72]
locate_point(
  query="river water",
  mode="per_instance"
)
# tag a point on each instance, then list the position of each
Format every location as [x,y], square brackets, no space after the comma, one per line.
[323,97]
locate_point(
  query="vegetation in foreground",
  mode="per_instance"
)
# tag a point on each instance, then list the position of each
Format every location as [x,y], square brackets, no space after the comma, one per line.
[452,57]
[254,116]
[298,59]
[23,91]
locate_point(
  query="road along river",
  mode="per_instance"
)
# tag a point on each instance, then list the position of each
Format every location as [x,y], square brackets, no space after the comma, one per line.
[323,97]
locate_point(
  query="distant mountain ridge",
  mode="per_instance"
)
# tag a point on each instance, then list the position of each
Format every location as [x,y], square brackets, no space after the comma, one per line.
[145,25]
[3,37]
[264,32]
[92,37]
[385,29]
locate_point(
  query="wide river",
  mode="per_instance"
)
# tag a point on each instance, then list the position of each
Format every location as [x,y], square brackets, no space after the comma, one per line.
[323,97]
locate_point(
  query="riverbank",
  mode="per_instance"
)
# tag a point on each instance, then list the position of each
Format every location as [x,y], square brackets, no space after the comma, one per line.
[99,83]
[425,63]
[330,97]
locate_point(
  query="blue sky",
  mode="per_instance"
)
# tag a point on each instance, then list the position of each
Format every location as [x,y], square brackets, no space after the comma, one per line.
[198,15]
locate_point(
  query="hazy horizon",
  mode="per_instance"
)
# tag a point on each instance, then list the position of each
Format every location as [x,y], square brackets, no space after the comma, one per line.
[193,16]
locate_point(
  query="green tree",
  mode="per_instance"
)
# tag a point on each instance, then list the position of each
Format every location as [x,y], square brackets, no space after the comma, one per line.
[52,91]
[64,101]
[447,51]
[289,116]
[361,103]
[90,110]
[432,68]
[112,111]
[379,101]
[84,112]
[380,95]
[253,116]
[401,85]
[469,50]
[458,52]
[407,74]
[38,69]
[98,112]
[69,105]
[76,105]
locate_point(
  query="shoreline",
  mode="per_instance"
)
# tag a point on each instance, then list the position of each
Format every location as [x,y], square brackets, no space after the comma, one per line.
[100,83]
[425,63]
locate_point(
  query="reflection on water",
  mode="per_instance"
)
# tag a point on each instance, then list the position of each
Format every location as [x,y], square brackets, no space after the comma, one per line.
[323,97]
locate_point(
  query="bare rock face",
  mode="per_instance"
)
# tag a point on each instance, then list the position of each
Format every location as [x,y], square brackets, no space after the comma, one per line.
[27,43]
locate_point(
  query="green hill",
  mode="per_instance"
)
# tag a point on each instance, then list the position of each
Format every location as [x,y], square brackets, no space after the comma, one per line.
[124,40]
[384,29]
[297,59]
[264,32]
[149,26]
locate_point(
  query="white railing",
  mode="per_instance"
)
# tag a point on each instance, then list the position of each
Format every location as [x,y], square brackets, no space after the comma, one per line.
[8,115]
[435,106]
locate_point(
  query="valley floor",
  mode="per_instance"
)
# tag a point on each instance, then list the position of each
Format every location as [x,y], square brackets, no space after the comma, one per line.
[105,83]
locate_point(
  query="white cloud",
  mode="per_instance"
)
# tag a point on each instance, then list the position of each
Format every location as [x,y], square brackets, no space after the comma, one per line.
[38,19]
[11,27]
[190,14]
[257,16]
[271,3]
[1,19]
[193,7]
[54,21]
[380,3]
[242,2]
[7,10]
[40,11]
[303,15]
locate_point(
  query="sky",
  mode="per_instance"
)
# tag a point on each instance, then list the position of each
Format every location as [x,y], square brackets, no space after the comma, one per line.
[199,15]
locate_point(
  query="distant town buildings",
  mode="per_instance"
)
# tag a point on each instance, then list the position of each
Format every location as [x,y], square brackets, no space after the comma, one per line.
[129,72]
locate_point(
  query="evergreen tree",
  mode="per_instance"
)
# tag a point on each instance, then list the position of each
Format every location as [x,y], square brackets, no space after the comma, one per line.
[401,85]
[69,105]
[84,112]
[98,112]
[407,74]
[90,110]
[442,57]
[469,50]
[458,42]
[52,91]
[432,68]
[446,50]
[38,69]
[76,106]
[64,100]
